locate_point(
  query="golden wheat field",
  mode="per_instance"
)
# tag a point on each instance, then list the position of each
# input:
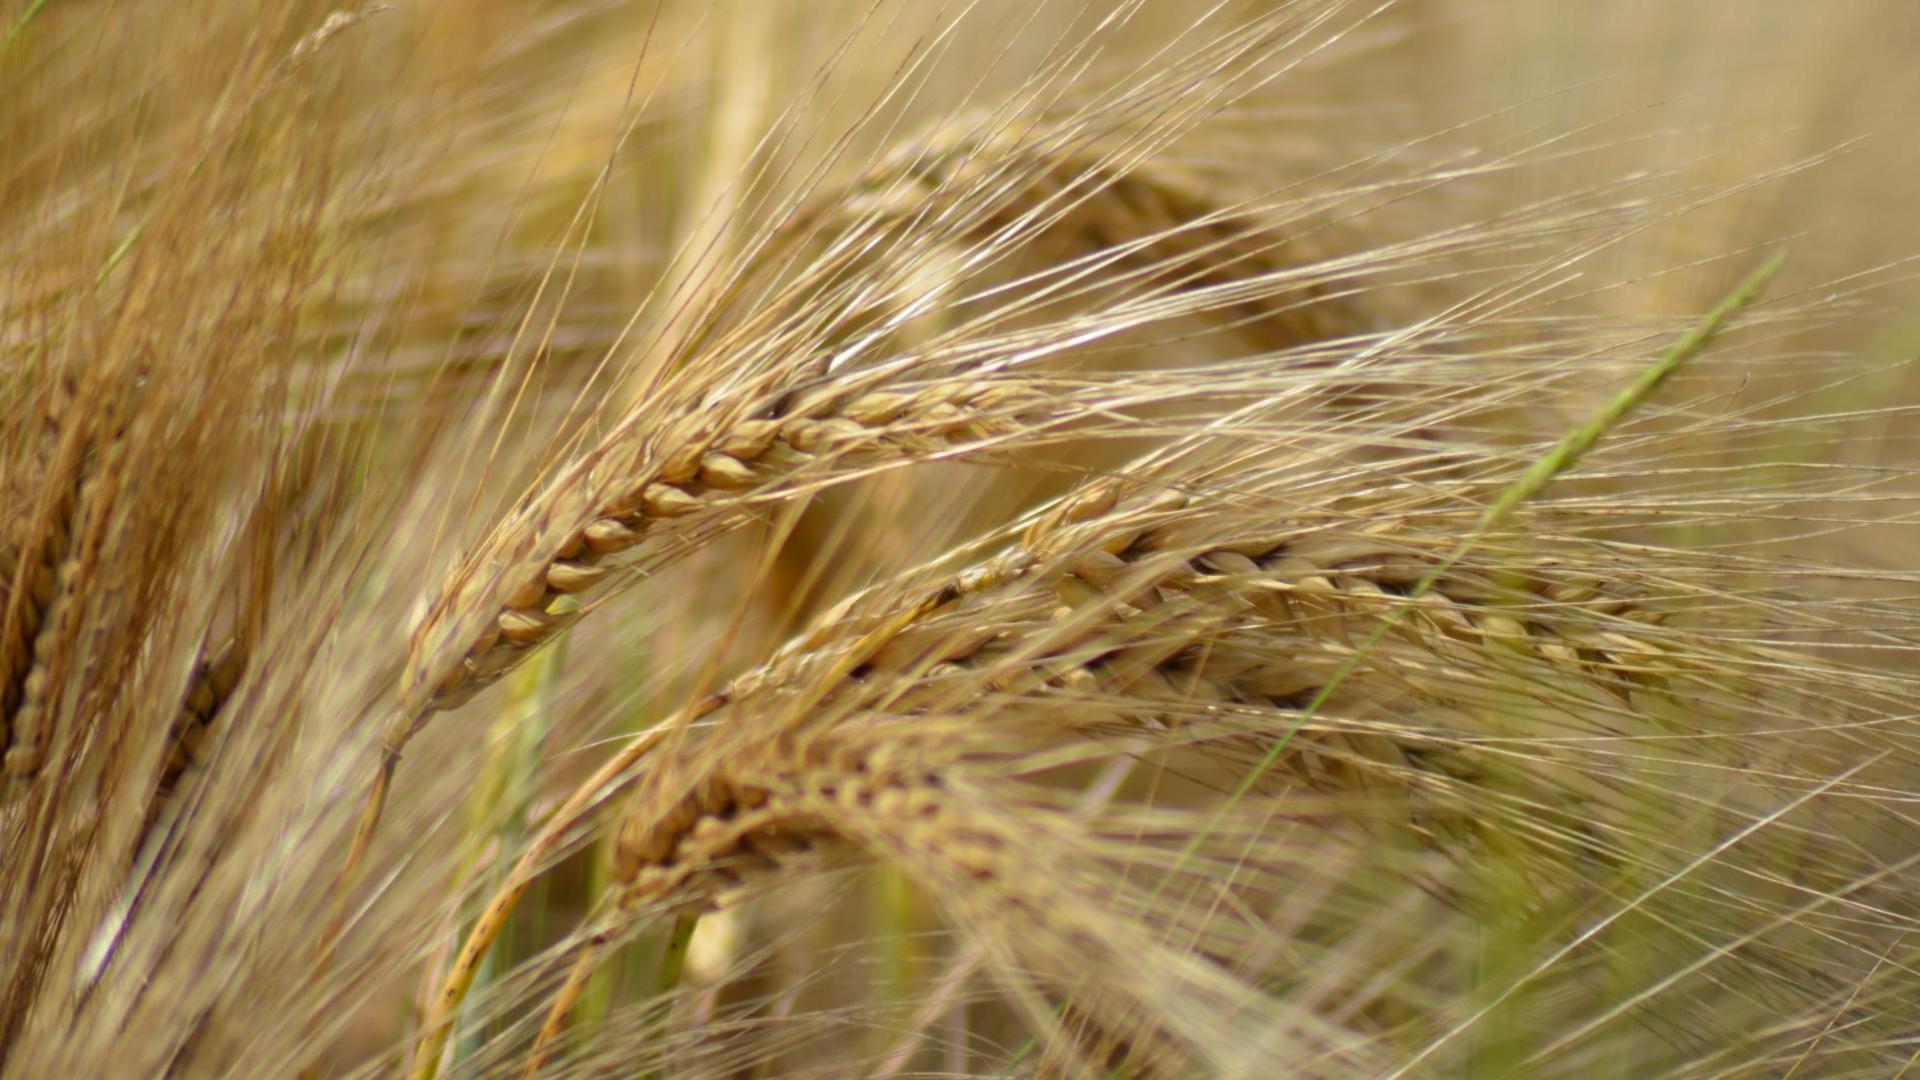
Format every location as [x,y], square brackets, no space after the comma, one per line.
[929,538]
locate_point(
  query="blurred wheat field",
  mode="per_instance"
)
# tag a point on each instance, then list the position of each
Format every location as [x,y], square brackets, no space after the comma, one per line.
[906,538]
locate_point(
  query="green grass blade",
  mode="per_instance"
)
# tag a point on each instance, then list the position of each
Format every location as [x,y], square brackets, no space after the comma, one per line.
[20,25]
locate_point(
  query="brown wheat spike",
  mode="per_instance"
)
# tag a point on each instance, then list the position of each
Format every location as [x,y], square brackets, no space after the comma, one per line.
[919,793]
[1038,181]
[997,189]
[900,793]
[621,495]
[215,676]
[1163,627]
[1159,615]
[1045,192]
[688,473]
[38,543]
[58,560]
[1124,617]
[1151,557]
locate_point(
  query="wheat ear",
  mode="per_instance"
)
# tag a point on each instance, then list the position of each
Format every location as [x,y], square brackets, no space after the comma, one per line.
[709,475]
[498,605]
[918,795]
[1271,612]
[987,188]
[216,674]
[44,569]
[39,643]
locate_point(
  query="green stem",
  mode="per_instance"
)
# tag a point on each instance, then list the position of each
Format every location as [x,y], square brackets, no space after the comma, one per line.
[673,962]
[673,955]
[20,25]
[502,798]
